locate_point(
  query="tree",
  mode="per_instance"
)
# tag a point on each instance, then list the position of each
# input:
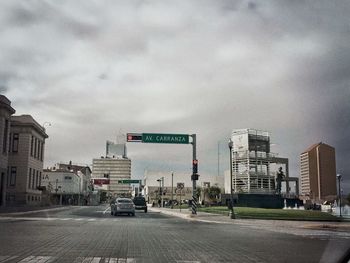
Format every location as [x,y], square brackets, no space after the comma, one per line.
[214,192]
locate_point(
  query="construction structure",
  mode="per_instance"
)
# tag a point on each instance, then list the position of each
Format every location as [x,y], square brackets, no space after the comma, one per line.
[252,163]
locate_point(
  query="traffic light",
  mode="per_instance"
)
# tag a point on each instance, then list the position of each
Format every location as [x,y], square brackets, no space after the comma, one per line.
[134,137]
[195,166]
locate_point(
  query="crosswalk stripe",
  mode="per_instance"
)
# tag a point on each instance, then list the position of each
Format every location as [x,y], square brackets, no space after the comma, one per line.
[6,258]
[111,260]
[48,259]
[37,259]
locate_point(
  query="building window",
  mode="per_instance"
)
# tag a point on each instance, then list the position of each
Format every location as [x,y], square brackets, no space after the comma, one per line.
[31,146]
[68,178]
[39,149]
[13,174]
[4,142]
[30,178]
[42,151]
[37,179]
[15,139]
[33,179]
[35,147]
[40,179]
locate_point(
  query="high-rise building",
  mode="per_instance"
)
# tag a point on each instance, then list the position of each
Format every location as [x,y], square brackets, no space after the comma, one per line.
[115,169]
[5,113]
[318,173]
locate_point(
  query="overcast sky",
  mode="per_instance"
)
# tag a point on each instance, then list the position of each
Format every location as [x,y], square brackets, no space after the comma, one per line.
[95,69]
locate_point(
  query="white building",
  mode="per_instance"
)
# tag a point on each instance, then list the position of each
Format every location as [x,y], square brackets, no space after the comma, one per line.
[116,170]
[61,182]
[83,171]
[63,186]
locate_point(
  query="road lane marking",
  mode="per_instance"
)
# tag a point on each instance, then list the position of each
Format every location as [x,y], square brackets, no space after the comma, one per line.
[105,211]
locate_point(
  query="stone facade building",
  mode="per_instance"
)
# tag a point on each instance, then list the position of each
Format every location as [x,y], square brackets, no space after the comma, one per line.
[25,162]
[5,114]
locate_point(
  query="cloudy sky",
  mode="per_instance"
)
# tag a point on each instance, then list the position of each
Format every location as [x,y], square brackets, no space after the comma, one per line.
[96,69]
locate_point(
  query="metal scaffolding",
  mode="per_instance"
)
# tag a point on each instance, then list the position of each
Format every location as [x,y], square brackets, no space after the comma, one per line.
[251,162]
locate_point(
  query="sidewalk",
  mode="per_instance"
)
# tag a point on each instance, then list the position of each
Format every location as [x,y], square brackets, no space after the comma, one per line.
[21,210]
[257,223]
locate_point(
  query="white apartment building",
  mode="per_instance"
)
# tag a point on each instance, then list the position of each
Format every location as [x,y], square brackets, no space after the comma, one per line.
[115,169]
[25,162]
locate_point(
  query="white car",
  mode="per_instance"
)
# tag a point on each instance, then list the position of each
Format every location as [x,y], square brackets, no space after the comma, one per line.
[122,206]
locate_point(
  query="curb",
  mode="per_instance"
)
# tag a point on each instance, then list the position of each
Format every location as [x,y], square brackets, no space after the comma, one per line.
[33,211]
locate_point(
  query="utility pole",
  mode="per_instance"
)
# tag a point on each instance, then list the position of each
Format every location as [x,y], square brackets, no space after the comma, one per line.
[339,178]
[232,213]
[218,158]
[162,191]
[172,190]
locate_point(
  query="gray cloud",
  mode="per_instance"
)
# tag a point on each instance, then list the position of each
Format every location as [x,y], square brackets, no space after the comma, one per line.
[159,66]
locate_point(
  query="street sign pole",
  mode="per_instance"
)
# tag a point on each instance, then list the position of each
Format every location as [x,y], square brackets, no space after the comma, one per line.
[194,176]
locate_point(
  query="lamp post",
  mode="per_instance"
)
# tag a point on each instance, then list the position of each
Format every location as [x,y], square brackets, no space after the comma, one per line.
[46,123]
[232,213]
[161,186]
[339,179]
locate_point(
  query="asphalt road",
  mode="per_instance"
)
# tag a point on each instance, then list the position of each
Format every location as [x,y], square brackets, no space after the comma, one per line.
[91,234]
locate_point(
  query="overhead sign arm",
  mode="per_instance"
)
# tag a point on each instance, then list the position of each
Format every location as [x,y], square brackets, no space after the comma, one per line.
[172,139]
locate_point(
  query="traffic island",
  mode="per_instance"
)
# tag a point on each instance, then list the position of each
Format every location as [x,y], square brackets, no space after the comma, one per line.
[274,214]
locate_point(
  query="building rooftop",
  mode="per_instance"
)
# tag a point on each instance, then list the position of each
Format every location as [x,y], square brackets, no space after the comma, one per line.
[315,145]
[28,120]
[6,103]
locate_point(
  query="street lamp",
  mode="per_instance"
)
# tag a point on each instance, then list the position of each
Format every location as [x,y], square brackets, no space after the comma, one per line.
[46,123]
[232,213]
[339,179]
[161,186]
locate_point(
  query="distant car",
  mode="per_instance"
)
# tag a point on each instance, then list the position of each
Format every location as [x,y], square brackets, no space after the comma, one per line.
[122,206]
[140,203]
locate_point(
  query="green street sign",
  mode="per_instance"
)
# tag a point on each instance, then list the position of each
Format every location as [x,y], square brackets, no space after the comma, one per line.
[165,138]
[128,181]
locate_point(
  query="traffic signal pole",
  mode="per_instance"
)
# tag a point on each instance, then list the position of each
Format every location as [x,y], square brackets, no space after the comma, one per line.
[194,175]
